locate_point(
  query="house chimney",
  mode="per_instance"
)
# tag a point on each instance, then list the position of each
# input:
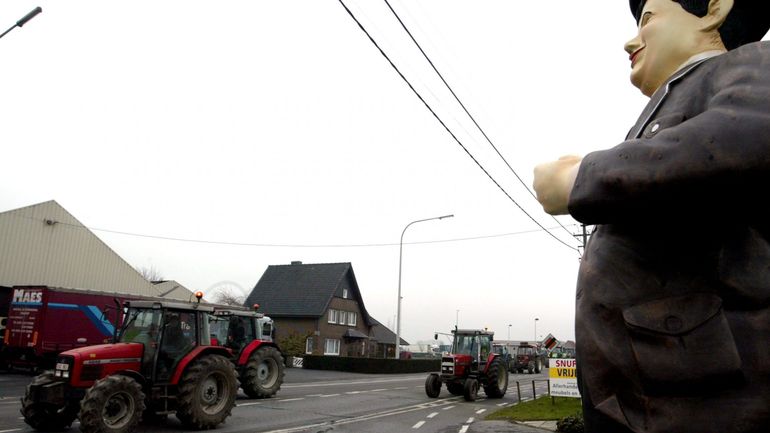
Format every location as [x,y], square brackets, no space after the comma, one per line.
[296,262]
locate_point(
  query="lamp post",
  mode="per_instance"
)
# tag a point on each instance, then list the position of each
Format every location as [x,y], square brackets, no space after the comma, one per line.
[457,318]
[509,332]
[400,255]
[536,319]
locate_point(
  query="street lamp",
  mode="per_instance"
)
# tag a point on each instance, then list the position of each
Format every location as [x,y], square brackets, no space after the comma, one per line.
[509,332]
[536,319]
[400,255]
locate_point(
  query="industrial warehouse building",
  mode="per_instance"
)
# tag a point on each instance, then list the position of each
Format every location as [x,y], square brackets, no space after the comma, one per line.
[44,245]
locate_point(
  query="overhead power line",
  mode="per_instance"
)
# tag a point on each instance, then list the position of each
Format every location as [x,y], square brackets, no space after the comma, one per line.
[278,245]
[424,54]
[408,83]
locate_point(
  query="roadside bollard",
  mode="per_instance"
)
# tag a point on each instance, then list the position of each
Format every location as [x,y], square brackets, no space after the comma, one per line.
[534,393]
[518,390]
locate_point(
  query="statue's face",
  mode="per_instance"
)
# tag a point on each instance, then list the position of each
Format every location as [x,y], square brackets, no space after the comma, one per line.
[667,38]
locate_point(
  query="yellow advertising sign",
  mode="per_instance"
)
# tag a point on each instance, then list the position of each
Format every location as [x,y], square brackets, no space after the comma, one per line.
[563,377]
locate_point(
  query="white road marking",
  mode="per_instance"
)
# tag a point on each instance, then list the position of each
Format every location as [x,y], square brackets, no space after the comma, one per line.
[290,399]
[448,407]
[464,429]
[402,387]
[13,429]
[368,417]
[501,404]
[248,404]
[328,395]
[480,411]
[378,390]
[419,424]
[353,392]
[470,420]
[433,414]
[313,395]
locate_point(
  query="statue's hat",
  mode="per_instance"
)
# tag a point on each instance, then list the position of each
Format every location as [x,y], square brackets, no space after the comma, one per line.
[748,22]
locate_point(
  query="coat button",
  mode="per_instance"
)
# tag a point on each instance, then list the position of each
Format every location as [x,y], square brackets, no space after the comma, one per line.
[673,323]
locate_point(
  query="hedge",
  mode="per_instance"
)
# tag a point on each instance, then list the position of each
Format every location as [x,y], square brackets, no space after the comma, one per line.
[370,365]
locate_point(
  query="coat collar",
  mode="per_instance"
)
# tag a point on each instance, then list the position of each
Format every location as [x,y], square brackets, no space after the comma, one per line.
[660,95]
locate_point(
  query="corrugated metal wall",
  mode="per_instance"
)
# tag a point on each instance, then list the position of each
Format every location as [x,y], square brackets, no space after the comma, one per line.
[45,245]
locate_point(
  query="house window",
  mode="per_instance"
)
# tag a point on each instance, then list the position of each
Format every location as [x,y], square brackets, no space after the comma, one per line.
[309,346]
[332,316]
[332,347]
[352,318]
[343,317]
[345,293]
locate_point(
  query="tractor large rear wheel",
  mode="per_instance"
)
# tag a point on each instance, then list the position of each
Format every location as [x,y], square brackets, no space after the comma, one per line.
[207,392]
[44,416]
[263,374]
[113,404]
[496,383]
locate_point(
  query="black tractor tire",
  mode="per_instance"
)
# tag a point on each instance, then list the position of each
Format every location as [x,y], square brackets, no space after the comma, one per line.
[114,404]
[538,366]
[455,388]
[496,383]
[44,416]
[471,389]
[433,385]
[207,392]
[263,375]
[531,367]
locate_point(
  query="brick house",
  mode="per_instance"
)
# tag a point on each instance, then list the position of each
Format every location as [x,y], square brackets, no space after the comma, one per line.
[322,304]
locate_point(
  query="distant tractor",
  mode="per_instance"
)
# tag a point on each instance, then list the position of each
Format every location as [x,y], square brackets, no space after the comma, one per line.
[163,362]
[471,364]
[256,357]
[531,358]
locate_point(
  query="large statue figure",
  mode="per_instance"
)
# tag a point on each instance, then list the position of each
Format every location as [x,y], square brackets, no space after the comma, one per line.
[673,295]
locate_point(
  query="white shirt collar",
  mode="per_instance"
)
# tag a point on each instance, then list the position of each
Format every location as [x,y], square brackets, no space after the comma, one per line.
[700,56]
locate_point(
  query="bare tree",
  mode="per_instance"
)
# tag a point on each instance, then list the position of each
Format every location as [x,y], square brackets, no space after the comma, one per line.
[150,274]
[228,296]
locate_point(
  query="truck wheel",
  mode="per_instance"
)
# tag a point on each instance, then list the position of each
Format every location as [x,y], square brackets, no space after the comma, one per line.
[113,404]
[46,417]
[455,388]
[539,366]
[206,392]
[263,374]
[471,389]
[497,379]
[432,385]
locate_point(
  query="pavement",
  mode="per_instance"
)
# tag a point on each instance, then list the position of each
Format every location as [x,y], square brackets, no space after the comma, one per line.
[512,427]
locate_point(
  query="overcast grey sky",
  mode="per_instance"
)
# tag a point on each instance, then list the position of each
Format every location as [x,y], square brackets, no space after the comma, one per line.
[279,123]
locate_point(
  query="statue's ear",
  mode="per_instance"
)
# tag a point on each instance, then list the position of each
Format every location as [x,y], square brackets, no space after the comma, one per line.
[717,14]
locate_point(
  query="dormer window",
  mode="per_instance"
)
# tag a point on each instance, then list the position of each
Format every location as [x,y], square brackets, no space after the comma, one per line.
[345,293]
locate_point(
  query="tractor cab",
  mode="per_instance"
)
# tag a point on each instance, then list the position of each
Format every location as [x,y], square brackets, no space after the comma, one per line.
[168,332]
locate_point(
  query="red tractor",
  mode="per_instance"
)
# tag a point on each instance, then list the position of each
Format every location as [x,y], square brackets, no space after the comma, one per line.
[471,364]
[530,357]
[249,336]
[162,362]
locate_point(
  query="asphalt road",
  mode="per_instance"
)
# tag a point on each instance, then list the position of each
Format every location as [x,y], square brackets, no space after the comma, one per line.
[324,401]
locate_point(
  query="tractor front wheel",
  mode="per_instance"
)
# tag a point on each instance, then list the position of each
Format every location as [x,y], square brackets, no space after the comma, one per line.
[496,383]
[263,374]
[114,404]
[471,389]
[45,416]
[207,392]
[433,385]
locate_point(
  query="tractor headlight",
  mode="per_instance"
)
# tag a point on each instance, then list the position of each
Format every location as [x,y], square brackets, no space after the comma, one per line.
[64,366]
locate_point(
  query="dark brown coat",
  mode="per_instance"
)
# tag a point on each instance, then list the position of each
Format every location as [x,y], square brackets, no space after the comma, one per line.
[673,296]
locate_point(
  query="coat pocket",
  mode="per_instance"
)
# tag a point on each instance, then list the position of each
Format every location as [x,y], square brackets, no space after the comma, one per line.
[682,339]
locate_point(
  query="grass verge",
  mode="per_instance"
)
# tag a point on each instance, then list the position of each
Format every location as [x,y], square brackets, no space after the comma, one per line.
[542,409]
